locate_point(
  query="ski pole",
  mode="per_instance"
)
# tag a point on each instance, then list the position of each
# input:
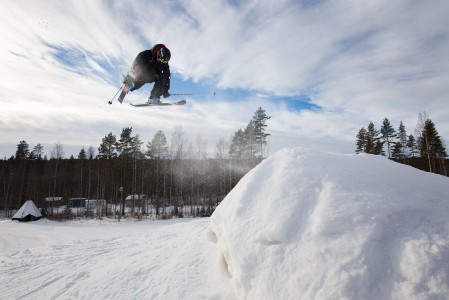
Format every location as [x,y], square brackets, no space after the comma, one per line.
[189,94]
[110,101]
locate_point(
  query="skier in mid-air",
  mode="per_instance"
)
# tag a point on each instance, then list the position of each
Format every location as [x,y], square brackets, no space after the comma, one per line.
[154,67]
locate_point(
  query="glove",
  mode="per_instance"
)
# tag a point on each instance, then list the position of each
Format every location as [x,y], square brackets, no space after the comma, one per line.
[166,94]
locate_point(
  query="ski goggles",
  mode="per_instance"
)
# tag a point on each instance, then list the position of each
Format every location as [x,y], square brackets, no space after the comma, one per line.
[162,61]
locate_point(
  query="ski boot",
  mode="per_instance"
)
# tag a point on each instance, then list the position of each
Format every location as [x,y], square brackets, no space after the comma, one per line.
[154,100]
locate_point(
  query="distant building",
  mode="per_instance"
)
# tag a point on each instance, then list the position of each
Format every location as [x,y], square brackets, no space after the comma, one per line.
[54,201]
[136,200]
[95,203]
[77,202]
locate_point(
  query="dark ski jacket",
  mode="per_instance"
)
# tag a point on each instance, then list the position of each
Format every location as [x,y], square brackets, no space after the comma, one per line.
[152,71]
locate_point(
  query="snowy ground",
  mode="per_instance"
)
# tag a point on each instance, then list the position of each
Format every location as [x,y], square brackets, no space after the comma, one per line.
[301,225]
[110,260]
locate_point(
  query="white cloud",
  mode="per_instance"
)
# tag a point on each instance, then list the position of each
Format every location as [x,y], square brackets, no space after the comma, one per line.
[358,61]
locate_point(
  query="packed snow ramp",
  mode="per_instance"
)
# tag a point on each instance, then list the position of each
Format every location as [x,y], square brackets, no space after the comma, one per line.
[315,225]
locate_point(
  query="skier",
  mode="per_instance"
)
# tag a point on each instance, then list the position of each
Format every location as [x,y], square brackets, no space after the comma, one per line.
[154,67]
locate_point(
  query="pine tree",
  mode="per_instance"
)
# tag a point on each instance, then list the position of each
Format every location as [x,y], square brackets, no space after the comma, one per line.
[396,151]
[373,143]
[136,147]
[123,145]
[259,122]
[236,148]
[379,148]
[388,133]
[442,156]
[37,152]
[402,138]
[128,145]
[411,145]
[107,147]
[23,151]
[82,155]
[250,143]
[361,141]
[431,146]
[158,147]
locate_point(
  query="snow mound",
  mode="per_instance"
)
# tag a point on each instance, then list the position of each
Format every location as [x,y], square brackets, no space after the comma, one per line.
[315,225]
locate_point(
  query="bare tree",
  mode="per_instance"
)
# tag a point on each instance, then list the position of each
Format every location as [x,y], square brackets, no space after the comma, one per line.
[57,152]
[420,125]
[91,152]
[422,118]
[201,147]
[90,157]
[178,143]
[200,168]
[178,148]
[221,155]
[221,148]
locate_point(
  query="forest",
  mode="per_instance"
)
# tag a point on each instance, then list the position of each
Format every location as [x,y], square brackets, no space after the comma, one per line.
[424,150]
[179,178]
[180,174]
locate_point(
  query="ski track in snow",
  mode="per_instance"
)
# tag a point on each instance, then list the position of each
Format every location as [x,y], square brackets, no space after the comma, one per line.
[167,262]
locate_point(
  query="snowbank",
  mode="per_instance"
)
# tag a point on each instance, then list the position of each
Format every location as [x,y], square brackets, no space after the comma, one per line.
[308,225]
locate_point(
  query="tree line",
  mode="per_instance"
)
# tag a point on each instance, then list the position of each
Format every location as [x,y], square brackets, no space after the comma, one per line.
[180,174]
[424,150]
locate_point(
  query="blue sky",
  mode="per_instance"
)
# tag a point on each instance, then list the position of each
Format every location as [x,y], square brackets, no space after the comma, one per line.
[321,69]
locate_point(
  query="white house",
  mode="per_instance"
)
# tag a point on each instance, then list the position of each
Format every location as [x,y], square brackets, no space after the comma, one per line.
[136,200]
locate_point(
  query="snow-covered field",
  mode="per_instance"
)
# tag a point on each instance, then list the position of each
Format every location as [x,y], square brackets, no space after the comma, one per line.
[301,225]
[110,260]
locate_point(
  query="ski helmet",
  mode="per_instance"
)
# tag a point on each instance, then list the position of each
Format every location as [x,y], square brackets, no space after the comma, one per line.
[163,55]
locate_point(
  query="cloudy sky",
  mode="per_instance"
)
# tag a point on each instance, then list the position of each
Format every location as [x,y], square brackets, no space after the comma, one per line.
[321,69]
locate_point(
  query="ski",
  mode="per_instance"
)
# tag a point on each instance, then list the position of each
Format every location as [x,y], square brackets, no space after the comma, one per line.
[128,81]
[123,93]
[181,102]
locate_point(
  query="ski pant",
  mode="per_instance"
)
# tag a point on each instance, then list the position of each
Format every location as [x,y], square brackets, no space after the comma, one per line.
[150,76]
